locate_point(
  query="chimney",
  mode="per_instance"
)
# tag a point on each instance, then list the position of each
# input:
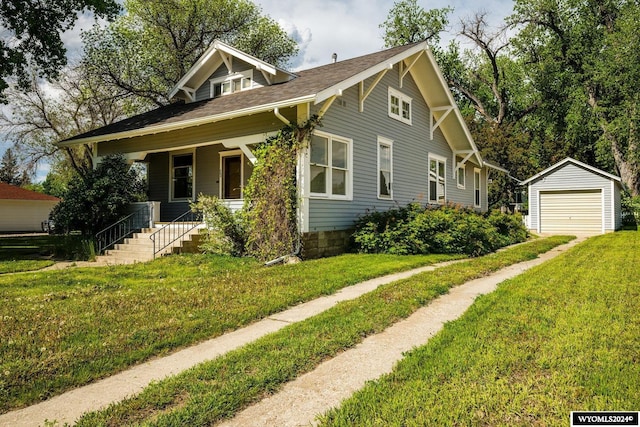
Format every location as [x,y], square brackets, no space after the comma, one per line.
[334,58]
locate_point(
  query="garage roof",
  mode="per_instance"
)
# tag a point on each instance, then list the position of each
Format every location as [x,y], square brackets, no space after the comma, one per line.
[13,192]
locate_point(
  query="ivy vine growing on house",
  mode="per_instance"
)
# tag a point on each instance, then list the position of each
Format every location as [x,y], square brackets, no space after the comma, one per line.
[267,227]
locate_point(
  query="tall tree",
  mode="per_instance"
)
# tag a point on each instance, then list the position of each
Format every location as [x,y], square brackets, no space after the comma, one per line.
[10,171]
[407,22]
[583,58]
[49,113]
[144,53]
[129,66]
[31,36]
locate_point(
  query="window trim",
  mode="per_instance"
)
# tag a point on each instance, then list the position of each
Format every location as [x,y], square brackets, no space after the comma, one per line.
[240,77]
[442,159]
[328,179]
[402,98]
[477,188]
[389,143]
[462,185]
[222,155]
[172,175]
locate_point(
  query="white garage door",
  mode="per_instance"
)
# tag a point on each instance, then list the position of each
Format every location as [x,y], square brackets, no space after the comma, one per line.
[571,212]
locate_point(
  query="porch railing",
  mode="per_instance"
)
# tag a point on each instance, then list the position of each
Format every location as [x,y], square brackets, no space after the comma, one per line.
[117,232]
[175,231]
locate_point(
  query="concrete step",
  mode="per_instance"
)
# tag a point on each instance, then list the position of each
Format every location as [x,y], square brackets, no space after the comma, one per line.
[139,247]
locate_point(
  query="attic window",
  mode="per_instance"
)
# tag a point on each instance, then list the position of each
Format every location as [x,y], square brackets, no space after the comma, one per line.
[399,106]
[235,82]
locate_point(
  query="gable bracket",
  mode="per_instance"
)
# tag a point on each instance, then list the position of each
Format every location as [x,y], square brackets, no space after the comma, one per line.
[326,106]
[191,93]
[228,61]
[363,94]
[447,109]
[461,163]
[404,71]
[266,75]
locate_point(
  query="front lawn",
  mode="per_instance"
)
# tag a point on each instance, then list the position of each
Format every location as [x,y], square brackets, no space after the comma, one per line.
[20,265]
[60,329]
[562,337]
[218,389]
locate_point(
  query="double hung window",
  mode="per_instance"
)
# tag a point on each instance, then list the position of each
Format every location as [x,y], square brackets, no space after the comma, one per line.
[476,186]
[330,166]
[385,168]
[437,179]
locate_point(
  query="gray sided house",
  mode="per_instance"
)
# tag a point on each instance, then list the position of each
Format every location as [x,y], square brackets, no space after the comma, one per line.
[575,198]
[391,134]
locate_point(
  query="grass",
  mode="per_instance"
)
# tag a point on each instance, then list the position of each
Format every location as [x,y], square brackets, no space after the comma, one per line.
[24,253]
[562,337]
[218,389]
[61,329]
[21,265]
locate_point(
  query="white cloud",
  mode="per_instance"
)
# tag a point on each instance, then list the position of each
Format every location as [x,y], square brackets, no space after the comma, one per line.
[351,28]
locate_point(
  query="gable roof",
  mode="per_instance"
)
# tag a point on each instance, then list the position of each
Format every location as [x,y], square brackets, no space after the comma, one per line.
[217,54]
[13,192]
[575,162]
[314,85]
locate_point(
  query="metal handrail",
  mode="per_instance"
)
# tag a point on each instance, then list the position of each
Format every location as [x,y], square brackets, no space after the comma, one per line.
[122,229]
[175,230]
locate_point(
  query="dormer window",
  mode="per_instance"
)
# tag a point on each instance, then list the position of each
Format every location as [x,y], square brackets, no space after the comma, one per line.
[232,83]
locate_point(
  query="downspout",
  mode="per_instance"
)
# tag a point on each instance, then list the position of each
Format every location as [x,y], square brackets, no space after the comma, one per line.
[282,118]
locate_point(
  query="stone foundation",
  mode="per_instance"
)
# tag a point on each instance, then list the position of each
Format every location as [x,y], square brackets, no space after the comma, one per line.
[319,244]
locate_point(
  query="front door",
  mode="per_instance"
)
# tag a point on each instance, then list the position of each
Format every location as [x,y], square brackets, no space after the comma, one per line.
[232,177]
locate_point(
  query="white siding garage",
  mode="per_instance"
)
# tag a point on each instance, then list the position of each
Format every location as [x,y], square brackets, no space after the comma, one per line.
[23,210]
[572,197]
[574,211]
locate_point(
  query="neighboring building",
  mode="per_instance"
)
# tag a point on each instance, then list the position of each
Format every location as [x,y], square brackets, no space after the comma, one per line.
[573,197]
[391,134]
[23,210]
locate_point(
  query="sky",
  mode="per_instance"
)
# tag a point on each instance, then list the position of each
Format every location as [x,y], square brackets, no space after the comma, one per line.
[348,28]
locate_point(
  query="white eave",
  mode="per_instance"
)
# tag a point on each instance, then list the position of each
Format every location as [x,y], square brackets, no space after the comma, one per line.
[212,58]
[575,162]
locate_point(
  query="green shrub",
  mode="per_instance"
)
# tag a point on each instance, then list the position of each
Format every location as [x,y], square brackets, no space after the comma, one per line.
[630,211]
[98,199]
[447,229]
[225,232]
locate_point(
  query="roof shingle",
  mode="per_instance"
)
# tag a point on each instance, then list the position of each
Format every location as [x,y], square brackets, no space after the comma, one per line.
[309,82]
[12,192]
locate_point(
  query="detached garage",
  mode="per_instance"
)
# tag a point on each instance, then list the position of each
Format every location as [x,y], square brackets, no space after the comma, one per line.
[573,197]
[23,210]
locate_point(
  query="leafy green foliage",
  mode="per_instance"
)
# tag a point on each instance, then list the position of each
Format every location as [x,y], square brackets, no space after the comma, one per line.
[271,195]
[99,199]
[408,23]
[144,53]
[225,232]
[448,229]
[31,35]
[10,172]
[581,59]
